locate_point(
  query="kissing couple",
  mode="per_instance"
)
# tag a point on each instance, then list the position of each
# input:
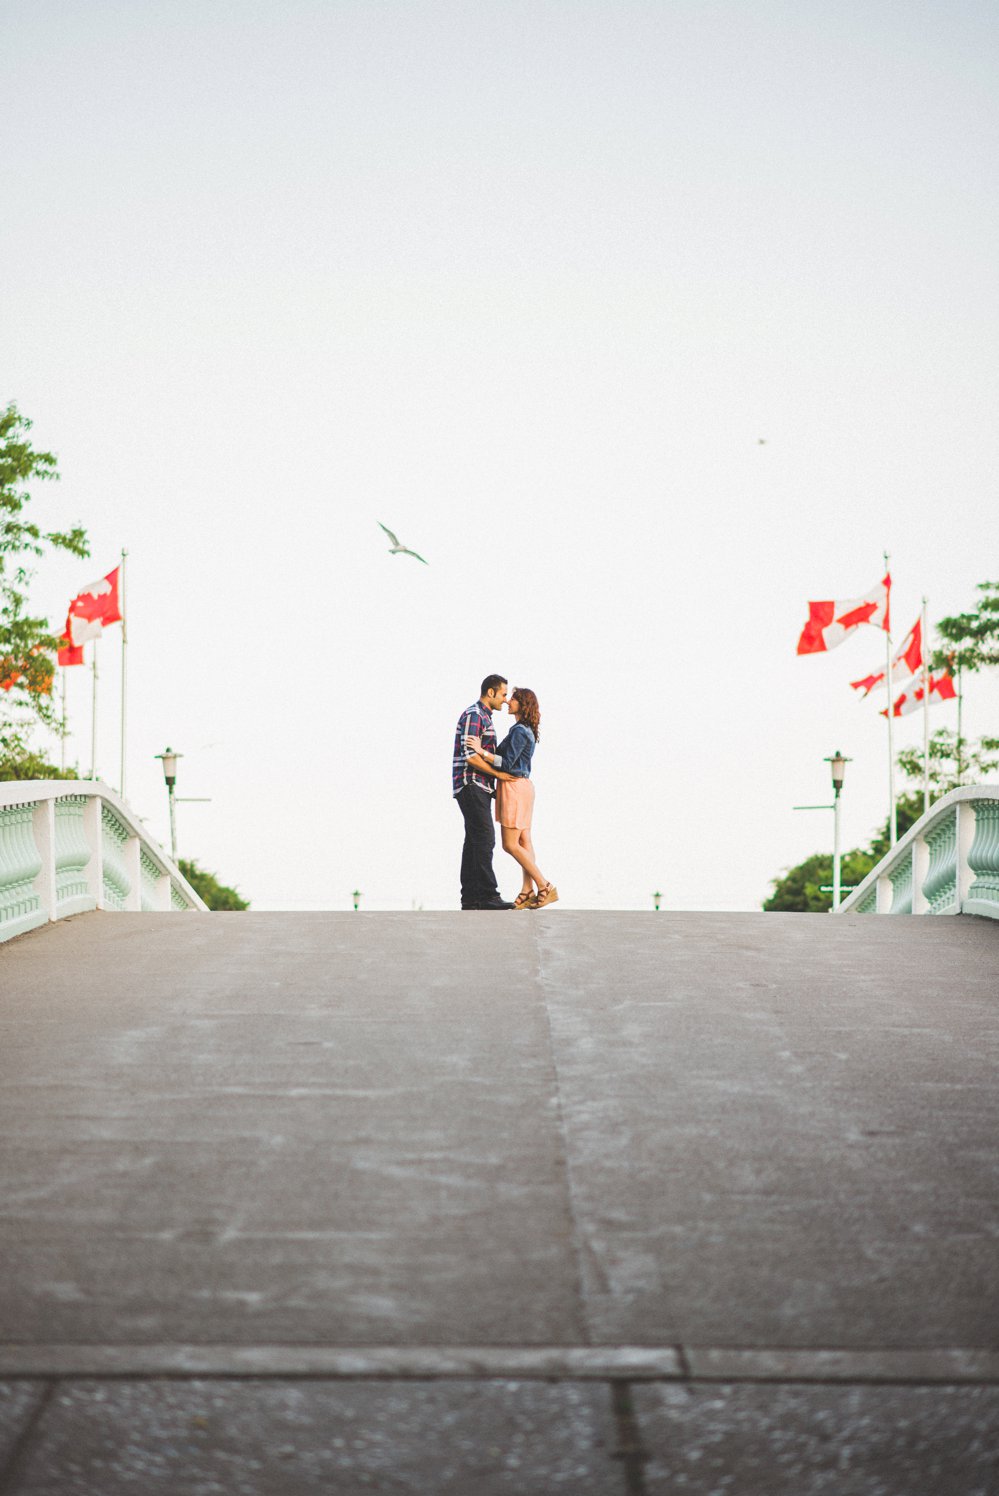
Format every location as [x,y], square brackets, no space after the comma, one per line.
[481,774]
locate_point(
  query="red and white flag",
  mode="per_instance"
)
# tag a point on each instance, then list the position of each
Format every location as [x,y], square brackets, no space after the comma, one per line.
[829,623]
[93,609]
[907,660]
[69,654]
[942,688]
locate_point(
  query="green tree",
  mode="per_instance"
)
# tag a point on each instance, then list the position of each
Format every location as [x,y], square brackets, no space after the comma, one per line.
[971,639]
[215,894]
[18,760]
[908,809]
[799,890]
[952,761]
[27,643]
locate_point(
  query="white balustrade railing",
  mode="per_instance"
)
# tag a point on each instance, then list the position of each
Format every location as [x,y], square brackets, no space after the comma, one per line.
[947,863]
[69,845]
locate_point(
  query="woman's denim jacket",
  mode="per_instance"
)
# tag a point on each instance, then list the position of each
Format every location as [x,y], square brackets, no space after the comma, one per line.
[516,751]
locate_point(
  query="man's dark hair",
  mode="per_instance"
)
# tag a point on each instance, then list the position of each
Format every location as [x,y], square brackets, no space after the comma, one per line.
[491,682]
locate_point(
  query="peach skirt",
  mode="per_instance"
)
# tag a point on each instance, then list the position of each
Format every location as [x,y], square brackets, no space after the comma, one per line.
[515,803]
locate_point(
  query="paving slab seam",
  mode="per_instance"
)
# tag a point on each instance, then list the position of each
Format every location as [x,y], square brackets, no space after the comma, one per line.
[702,1364]
[359,1363]
[563,1137]
[913,1366]
[630,1450]
[21,1449]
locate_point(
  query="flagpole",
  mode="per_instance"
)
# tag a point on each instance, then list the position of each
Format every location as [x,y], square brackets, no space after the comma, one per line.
[124,665]
[960,713]
[93,717]
[926,715]
[62,756]
[892,817]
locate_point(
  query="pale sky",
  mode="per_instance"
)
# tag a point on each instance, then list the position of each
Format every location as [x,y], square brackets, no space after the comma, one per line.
[527,282]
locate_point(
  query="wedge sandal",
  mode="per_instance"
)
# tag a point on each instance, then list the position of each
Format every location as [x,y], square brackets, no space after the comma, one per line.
[545,896]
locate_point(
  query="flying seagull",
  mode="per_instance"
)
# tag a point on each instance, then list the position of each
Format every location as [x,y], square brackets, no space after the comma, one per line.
[395,549]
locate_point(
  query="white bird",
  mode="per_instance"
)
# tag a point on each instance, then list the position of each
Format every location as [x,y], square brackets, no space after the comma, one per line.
[395,549]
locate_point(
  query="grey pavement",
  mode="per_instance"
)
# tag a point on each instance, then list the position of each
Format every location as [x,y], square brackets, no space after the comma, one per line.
[446,1203]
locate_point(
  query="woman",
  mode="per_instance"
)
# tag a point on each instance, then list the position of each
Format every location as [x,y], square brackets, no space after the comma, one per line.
[515,794]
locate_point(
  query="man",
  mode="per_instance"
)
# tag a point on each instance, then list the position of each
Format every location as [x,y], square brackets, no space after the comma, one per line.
[473,790]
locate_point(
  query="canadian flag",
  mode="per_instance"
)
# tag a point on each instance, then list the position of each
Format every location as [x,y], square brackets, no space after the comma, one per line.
[829,623]
[93,609]
[942,688]
[907,660]
[69,654]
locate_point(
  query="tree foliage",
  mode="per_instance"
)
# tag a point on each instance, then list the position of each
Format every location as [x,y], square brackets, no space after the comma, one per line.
[952,761]
[27,643]
[799,890]
[908,809]
[972,639]
[215,894]
[18,760]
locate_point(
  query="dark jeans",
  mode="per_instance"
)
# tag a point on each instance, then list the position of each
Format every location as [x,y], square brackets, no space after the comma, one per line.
[478,881]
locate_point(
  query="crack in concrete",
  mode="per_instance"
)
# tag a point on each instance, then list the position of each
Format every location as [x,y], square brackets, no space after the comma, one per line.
[578,1245]
[17,1460]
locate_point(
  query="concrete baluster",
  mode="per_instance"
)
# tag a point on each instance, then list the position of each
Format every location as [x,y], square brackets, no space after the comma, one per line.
[920,868]
[900,875]
[966,825]
[131,857]
[20,903]
[43,825]
[117,882]
[983,861]
[94,832]
[72,853]
[940,883]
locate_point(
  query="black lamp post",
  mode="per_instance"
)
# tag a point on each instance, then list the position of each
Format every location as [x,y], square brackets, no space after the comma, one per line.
[838,764]
[169,761]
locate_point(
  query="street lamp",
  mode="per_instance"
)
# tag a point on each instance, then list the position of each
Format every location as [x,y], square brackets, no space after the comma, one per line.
[838,764]
[169,761]
[656,898]
[356,896]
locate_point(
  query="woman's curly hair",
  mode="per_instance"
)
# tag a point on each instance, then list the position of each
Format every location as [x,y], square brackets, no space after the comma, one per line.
[530,712]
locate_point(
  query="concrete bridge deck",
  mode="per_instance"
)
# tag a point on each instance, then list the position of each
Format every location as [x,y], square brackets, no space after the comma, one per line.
[443,1203]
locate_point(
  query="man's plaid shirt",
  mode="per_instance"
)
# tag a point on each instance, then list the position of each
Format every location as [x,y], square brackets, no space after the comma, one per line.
[477,722]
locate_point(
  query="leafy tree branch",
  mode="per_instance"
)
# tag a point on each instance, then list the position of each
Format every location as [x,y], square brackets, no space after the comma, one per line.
[971,640]
[27,641]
